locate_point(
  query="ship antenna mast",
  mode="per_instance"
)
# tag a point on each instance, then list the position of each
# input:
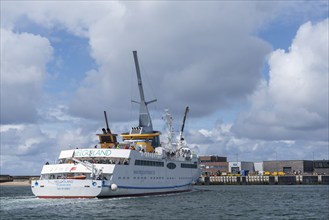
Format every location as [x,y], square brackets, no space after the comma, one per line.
[183,125]
[145,122]
[107,123]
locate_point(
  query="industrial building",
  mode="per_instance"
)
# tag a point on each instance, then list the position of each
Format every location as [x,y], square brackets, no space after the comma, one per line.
[242,167]
[213,165]
[321,167]
[259,168]
[218,165]
[289,166]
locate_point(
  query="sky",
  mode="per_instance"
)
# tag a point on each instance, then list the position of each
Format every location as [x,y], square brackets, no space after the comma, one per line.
[253,73]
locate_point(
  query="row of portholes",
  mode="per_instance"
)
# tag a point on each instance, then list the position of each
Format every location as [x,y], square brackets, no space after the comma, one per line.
[123,178]
[184,178]
[161,178]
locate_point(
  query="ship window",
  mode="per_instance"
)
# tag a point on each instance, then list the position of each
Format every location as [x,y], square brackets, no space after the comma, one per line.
[149,163]
[106,139]
[171,166]
[156,141]
[188,165]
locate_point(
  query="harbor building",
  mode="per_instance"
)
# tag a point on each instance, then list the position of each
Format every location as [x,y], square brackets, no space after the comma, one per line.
[259,168]
[6,178]
[243,167]
[213,165]
[321,167]
[289,166]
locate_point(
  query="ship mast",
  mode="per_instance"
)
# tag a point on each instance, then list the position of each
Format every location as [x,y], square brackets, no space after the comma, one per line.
[183,124]
[107,124]
[145,122]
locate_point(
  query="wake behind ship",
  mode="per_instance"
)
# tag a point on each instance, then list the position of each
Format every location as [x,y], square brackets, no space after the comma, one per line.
[139,165]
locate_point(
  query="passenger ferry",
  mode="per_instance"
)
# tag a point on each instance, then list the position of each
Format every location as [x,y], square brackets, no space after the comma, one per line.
[138,165]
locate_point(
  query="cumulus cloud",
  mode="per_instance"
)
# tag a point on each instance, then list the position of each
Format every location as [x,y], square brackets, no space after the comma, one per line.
[208,61]
[55,15]
[188,60]
[220,140]
[23,68]
[25,148]
[294,103]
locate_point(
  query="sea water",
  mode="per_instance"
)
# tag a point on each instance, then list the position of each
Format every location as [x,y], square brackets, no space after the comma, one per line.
[204,202]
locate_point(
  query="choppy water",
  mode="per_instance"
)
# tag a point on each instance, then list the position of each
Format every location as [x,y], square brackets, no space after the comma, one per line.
[204,202]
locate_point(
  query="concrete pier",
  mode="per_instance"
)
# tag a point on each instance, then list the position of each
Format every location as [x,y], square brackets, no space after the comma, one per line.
[264,180]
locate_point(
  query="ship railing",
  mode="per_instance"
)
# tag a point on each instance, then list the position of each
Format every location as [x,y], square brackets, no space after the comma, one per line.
[179,158]
[151,155]
[176,158]
[157,156]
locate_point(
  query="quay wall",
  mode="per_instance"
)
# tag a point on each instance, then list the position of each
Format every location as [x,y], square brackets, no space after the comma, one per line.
[8,178]
[264,180]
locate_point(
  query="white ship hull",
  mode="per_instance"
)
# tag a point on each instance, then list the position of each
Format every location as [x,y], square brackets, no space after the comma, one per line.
[66,188]
[93,189]
[142,191]
[131,179]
